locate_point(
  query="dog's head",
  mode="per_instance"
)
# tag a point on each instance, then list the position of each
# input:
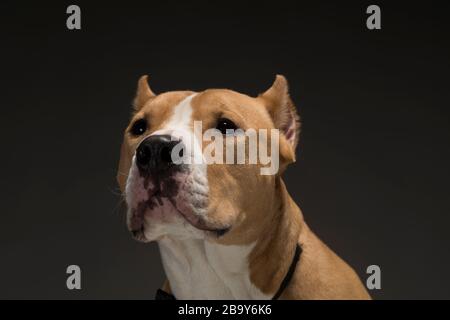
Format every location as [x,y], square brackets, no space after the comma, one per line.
[178,174]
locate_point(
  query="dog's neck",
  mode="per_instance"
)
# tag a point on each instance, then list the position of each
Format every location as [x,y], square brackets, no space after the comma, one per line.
[200,269]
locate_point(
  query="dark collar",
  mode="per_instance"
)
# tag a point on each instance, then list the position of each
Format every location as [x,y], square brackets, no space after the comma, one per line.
[162,295]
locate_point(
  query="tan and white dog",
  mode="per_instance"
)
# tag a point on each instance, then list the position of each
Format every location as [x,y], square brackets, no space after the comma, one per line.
[225,231]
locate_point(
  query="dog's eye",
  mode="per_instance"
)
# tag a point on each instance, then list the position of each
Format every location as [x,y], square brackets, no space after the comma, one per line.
[225,126]
[139,127]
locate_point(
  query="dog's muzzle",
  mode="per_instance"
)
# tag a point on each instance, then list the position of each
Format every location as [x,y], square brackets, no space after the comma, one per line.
[160,187]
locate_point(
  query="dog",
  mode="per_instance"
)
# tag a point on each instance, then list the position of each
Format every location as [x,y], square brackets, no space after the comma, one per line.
[225,231]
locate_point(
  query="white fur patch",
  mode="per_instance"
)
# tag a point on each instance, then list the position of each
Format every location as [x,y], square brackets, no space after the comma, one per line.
[179,126]
[198,269]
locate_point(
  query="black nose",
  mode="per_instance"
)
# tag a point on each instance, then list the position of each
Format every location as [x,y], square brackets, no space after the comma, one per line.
[155,153]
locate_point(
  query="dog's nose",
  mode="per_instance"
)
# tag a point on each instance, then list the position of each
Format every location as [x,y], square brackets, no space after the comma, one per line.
[155,153]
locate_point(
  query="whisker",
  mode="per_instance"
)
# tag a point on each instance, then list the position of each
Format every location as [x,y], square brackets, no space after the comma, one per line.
[120,201]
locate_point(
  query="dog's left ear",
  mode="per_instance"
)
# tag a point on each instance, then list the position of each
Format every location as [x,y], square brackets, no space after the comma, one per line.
[143,93]
[284,116]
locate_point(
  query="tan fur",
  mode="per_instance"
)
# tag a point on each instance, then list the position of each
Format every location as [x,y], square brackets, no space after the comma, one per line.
[258,207]
[320,273]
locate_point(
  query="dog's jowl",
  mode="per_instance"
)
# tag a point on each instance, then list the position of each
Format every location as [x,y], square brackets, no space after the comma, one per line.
[225,230]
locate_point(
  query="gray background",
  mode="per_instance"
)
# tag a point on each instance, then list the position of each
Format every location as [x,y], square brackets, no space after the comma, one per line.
[372,176]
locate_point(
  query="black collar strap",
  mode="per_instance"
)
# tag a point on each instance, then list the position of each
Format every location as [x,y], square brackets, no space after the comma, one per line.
[290,273]
[162,295]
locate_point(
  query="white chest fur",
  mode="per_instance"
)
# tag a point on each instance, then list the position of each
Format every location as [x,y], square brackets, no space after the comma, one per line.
[197,269]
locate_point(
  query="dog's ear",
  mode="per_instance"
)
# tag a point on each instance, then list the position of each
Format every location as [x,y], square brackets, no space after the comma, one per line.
[143,94]
[284,116]
[124,165]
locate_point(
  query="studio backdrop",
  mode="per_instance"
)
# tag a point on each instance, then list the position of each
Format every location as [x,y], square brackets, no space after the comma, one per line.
[371,175]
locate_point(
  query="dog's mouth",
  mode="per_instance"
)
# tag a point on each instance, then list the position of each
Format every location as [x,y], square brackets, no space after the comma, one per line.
[202,225]
[168,202]
[158,198]
[139,232]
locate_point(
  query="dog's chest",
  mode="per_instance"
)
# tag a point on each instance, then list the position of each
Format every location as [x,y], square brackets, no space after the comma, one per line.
[197,269]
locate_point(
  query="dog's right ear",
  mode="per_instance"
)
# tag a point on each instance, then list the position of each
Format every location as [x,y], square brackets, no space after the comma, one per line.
[284,115]
[143,94]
